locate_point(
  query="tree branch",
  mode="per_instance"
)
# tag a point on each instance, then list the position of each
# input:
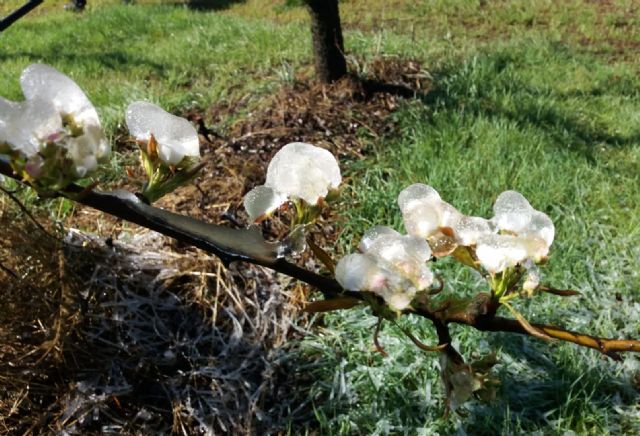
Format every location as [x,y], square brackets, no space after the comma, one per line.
[18,13]
[609,347]
[248,245]
[228,244]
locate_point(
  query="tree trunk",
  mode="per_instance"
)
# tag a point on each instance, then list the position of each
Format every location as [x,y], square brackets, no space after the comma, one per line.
[328,46]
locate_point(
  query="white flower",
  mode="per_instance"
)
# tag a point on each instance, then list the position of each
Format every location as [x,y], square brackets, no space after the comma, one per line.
[526,236]
[425,214]
[499,252]
[421,208]
[468,229]
[391,265]
[516,233]
[27,126]
[56,111]
[514,215]
[47,83]
[297,171]
[261,200]
[176,137]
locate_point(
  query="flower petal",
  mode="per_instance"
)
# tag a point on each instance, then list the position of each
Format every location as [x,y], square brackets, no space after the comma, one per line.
[262,200]
[176,137]
[418,192]
[499,252]
[512,212]
[303,171]
[46,83]
[469,228]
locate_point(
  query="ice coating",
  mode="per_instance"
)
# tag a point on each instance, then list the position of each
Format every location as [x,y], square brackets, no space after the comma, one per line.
[29,124]
[262,200]
[499,252]
[303,171]
[532,279]
[371,235]
[421,219]
[392,266]
[512,211]
[298,171]
[57,112]
[541,227]
[86,150]
[47,83]
[424,213]
[8,112]
[449,215]
[417,193]
[469,228]
[176,137]
[356,272]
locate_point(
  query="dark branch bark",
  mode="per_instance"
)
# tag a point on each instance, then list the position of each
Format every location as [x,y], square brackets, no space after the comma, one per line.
[248,245]
[328,45]
[18,13]
[228,244]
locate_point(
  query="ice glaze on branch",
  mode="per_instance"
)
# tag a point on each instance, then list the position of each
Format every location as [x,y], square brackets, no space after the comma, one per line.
[247,245]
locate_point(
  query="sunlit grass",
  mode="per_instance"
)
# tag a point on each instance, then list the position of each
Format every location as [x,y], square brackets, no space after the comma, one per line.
[541,97]
[494,123]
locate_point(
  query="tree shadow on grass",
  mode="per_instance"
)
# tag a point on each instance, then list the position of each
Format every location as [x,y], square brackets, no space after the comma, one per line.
[491,85]
[112,60]
[209,5]
[551,393]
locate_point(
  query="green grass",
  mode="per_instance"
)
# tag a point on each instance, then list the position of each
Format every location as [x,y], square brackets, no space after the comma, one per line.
[519,101]
[525,116]
[175,57]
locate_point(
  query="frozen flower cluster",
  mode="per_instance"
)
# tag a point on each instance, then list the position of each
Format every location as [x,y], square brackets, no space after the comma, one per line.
[54,136]
[298,172]
[394,266]
[425,214]
[390,265]
[517,234]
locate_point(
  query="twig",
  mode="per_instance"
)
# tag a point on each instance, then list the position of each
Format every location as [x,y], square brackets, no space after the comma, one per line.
[8,271]
[419,344]
[18,13]
[376,333]
[26,211]
[246,245]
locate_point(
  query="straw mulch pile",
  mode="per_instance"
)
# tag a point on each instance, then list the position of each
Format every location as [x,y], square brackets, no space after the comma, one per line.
[116,329]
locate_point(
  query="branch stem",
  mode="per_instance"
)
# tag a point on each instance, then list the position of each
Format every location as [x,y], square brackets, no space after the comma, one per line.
[247,245]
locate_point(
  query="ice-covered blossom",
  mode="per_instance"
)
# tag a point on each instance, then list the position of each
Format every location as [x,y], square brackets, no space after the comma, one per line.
[515,234]
[524,234]
[298,171]
[55,115]
[390,265]
[425,214]
[176,138]
[497,252]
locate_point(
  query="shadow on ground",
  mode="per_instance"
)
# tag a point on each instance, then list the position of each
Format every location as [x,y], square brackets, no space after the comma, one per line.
[209,5]
[114,336]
